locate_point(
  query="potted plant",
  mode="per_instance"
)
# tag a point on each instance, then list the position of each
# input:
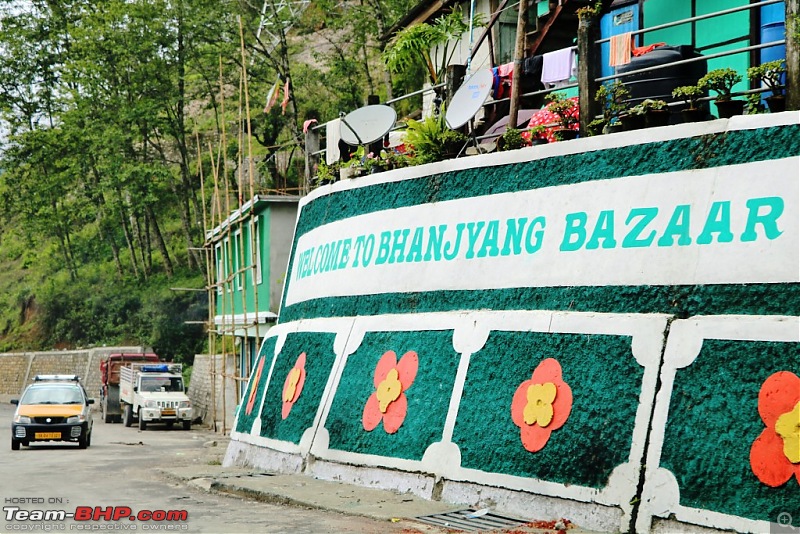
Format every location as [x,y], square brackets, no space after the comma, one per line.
[721,81]
[690,94]
[326,174]
[566,110]
[771,75]
[431,140]
[537,135]
[633,118]
[511,140]
[613,98]
[656,112]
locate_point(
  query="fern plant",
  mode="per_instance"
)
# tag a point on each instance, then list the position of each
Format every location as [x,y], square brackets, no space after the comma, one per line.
[431,140]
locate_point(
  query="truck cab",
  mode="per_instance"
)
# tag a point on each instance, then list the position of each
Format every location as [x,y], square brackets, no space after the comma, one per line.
[154,393]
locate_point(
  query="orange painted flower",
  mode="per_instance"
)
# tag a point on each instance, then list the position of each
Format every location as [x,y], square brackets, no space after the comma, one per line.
[541,405]
[775,454]
[293,385]
[388,403]
[254,387]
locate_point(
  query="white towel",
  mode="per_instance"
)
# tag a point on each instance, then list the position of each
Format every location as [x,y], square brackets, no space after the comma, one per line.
[332,136]
[558,66]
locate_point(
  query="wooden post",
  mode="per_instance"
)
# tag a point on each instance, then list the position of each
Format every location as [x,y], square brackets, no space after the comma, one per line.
[519,55]
[793,55]
[454,79]
[588,71]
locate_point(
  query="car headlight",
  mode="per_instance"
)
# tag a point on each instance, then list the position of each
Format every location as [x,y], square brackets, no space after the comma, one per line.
[76,419]
[150,404]
[185,404]
[22,419]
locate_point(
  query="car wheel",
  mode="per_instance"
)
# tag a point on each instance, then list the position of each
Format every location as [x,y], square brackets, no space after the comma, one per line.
[83,441]
[128,415]
[89,438]
[14,445]
[187,425]
[142,424]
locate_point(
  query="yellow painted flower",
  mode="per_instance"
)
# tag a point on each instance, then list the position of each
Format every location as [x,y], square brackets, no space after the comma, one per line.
[788,427]
[388,390]
[539,408]
[291,386]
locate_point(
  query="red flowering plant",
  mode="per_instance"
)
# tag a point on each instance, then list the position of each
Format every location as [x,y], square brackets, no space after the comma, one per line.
[541,405]
[293,385]
[775,454]
[389,403]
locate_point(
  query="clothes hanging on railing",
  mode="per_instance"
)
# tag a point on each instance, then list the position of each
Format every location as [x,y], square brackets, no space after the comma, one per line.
[532,67]
[332,136]
[501,83]
[620,53]
[559,66]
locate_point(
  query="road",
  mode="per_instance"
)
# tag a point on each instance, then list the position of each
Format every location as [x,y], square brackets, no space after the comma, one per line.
[121,469]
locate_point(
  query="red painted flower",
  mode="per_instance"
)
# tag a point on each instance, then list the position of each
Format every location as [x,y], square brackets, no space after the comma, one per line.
[293,385]
[541,405]
[388,403]
[775,454]
[254,387]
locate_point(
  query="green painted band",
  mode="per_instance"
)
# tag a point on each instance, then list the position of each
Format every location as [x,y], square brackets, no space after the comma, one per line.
[679,301]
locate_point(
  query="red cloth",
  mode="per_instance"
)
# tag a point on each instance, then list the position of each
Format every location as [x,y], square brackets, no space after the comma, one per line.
[549,119]
[642,50]
[308,124]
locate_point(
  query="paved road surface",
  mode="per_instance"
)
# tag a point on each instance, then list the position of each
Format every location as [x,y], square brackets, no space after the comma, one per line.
[122,468]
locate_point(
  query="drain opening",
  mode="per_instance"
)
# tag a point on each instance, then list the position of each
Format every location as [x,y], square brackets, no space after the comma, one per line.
[462,520]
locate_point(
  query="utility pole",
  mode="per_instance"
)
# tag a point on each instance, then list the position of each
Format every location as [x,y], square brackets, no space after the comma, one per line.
[519,56]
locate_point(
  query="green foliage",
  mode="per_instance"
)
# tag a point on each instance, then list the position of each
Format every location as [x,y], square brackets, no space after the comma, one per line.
[512,139]
[770,73]
[431,140]
[413,44]
[690,94]
[564,107]
[721,81]
[614,100]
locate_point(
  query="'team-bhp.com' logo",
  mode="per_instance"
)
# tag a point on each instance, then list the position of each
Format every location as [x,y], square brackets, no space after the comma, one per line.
[116,518]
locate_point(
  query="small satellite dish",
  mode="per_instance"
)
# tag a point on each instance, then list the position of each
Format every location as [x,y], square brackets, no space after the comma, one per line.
[367,125]
[469,98]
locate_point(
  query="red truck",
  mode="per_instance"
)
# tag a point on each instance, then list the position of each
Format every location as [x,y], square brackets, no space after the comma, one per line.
[109,381]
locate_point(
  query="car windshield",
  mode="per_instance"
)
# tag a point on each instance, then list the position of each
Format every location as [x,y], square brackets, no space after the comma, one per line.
[161,383]
[52,395]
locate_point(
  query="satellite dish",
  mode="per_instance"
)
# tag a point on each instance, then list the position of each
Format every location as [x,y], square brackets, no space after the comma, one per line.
[367,125]
[469,98]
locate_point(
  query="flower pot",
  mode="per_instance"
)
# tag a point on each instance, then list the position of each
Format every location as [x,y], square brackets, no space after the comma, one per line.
[632,122]
[656,117]
[776,103]
[728,108]
[614,127]
[538,141]
[693,114]
[565,134]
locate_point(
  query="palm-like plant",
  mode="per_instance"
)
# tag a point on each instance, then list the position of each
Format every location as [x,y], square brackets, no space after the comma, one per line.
[414,44]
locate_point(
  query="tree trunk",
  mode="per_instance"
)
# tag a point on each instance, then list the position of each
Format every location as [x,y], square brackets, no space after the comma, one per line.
[162,246]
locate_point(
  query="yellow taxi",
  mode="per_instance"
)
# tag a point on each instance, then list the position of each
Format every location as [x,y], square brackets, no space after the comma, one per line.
[53,408]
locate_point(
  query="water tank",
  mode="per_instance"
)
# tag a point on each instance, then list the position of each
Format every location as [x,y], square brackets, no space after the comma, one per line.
[773,23]
[773,26]
[658,84]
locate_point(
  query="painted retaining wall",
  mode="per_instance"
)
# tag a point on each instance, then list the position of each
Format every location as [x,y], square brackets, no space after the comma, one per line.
[605,330]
